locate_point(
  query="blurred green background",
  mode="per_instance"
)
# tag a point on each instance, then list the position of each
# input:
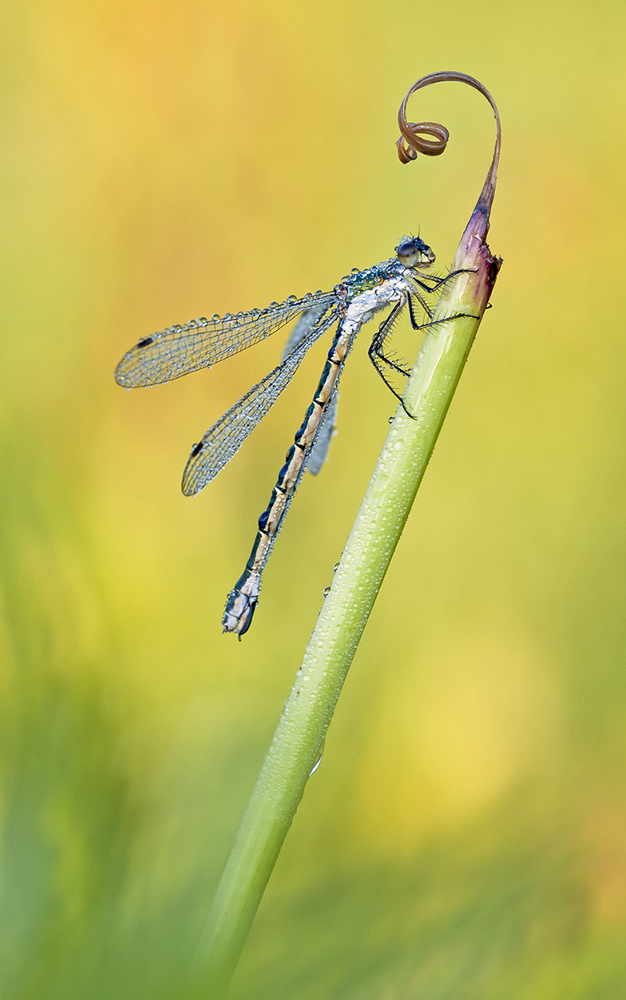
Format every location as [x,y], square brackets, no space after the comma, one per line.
[465,835]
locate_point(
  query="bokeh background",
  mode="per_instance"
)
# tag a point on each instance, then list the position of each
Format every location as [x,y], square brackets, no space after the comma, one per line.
[465,836]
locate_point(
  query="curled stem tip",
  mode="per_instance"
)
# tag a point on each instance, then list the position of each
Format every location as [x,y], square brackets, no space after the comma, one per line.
[412,141]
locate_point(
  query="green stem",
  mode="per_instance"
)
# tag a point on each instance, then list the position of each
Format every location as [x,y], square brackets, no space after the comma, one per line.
[300,733]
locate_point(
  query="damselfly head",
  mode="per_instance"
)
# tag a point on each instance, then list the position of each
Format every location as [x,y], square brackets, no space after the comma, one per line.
[413,252]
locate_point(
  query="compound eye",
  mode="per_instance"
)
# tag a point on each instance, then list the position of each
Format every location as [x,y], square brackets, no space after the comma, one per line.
[414,253]
[407,254]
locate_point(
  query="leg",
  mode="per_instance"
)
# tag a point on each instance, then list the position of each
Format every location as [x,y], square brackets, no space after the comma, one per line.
[423,280]
[437,283]
[446,319]
[414,323]
[375,352]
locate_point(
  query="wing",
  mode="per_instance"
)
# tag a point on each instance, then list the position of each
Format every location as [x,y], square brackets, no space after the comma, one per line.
[224,439]
[303,327]
[201,343]
[326,430]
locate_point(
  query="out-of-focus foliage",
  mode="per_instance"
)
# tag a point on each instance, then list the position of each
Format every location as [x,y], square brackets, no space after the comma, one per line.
[465,835]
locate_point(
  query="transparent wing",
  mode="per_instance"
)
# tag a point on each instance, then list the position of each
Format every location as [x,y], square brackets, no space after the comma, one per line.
[304,326]
[201,343]
[224,439]
[326,430]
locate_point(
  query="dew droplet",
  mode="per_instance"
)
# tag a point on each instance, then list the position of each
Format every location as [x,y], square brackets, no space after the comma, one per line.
[317,762]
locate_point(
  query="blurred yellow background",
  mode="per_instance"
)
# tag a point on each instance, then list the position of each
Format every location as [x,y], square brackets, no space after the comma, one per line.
[465,836]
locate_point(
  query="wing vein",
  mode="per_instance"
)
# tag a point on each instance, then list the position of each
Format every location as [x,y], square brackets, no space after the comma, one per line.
[224,439]
[179,350]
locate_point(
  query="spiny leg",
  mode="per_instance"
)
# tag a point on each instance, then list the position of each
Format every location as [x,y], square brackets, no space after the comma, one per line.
[414,323]
[445,319]
[431,289]
[375,351]
[423,280]
[422,302]
[376,354]
[378,358]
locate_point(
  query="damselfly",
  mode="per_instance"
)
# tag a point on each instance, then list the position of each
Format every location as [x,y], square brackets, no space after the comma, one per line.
[201,343]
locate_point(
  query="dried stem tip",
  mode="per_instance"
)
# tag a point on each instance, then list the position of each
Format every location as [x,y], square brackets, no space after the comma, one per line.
[411,141]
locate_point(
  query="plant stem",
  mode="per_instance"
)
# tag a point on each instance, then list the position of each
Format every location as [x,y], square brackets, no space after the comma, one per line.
[300,733]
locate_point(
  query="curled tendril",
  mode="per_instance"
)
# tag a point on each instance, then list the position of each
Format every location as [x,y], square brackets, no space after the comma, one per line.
[411,141]
[409,148]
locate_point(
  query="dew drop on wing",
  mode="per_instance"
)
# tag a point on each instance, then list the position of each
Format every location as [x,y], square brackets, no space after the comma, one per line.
[326,591]
[145,342]
[197,448]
